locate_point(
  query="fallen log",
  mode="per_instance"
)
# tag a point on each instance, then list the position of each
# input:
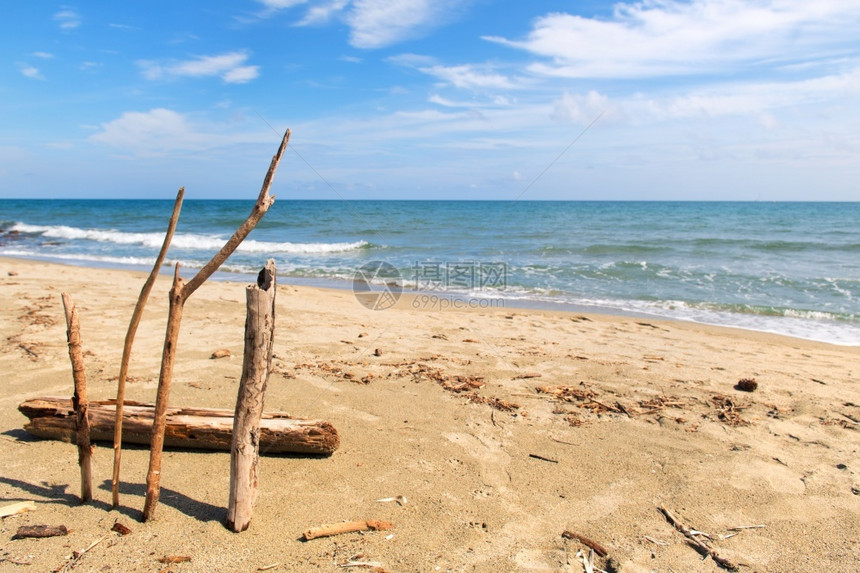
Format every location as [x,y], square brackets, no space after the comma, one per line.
[197,428]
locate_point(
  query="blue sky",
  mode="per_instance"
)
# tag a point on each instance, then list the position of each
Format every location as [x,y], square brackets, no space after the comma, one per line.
[421,99]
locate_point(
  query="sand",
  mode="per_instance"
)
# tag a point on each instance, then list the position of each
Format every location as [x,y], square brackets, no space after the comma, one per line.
[635,414]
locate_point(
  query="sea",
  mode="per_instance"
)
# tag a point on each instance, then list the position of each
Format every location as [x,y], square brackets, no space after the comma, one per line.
[786,268]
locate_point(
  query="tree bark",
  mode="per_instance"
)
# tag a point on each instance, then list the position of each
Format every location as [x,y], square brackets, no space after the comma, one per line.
[257,364]
[178,295]
[196,428]
[129,341]
[79,400]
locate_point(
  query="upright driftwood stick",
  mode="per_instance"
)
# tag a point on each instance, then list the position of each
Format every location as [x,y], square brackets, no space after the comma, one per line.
[79,400]
[256,366]
[129,341]
[179,293]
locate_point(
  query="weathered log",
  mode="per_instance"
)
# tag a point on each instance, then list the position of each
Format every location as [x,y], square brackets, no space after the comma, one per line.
[197,428]
[79,399]
[256,366]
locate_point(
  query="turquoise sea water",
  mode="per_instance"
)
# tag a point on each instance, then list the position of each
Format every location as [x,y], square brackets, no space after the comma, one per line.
[791,268]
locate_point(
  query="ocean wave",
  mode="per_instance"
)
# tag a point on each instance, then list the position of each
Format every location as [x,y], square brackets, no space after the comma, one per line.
[82,257]
[186,241]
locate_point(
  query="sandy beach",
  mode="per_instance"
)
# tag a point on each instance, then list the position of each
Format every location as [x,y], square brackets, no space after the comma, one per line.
[502,428]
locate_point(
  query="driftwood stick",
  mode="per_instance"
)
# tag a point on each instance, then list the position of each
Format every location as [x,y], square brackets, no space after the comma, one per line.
[129,342]
[346,527]
[264,201]
[698,545]
[599,549]
[257,364]
[168,358]
[178,295]
[195,428]
[79,400]
[38,531]
[16,508]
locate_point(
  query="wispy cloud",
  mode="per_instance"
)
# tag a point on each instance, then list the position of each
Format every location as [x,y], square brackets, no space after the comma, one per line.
[374,23]
[68,19]
[43,55]
[31,72]
[469,77]
[323,12]
[281,4]
[380,23]
[670,37]
[229,67]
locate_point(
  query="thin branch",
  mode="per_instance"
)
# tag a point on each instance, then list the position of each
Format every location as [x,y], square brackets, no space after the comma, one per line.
[698,545]
[129,341]
[264,201]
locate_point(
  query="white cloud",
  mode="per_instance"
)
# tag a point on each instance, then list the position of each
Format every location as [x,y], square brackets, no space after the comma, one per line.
[280,4]
[43,55]
[31,72]
[380,23]
[162,132]
[581,108]
[468,77]
[670,37]
[229,67]
[241,75]
[374,23]
[755,99]
[160,129]
[68,19]
[323,12]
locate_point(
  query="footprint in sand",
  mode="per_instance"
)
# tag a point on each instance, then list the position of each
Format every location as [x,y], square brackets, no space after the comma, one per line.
[777,477]
[492,460]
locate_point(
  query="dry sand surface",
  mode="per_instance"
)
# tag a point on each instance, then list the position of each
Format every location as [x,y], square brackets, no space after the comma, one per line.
[501,428]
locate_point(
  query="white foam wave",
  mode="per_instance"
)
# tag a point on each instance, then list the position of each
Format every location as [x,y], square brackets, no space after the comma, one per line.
[186,241]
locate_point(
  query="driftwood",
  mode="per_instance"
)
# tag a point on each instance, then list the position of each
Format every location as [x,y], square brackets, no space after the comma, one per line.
[38,531]
[129,341]
[346,527]
[16,508]
[599,549]
[179,293]
[698,545]
[198,428]
[256,366]
[79,400]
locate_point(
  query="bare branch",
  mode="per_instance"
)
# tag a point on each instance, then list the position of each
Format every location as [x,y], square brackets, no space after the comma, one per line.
[129,341]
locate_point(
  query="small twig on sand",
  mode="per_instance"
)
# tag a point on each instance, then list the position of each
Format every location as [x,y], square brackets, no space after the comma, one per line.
[698,545]
[742,527]
[346,527]
[537,457]
[72,560]
[590,543]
